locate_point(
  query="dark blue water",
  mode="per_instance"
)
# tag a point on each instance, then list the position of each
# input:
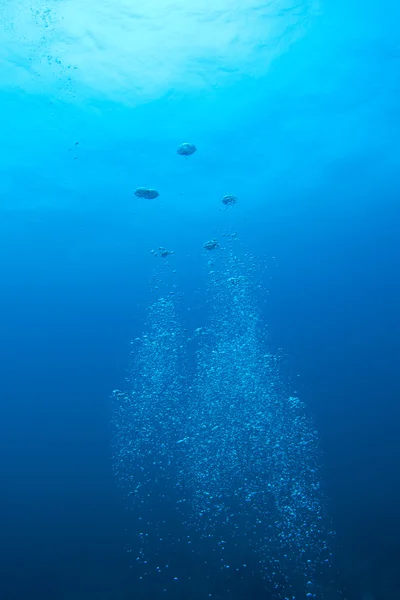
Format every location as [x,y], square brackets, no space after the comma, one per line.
[310,145]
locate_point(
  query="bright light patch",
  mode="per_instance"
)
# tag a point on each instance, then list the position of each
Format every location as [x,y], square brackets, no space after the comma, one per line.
[114,49]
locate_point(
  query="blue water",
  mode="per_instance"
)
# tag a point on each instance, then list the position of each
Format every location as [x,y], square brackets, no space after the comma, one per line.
[294,110]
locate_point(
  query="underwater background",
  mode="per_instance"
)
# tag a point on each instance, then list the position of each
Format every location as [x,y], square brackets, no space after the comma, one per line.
[293,109]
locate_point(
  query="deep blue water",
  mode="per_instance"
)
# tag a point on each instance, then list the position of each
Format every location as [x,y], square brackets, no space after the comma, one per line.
[310,145]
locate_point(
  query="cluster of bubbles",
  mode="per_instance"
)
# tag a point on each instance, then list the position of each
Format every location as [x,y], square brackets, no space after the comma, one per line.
[147,421]
[253,458]
[229,453]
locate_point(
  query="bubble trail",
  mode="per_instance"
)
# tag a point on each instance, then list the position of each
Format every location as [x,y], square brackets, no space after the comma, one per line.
[147,424]
[226,463]
[253,459]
